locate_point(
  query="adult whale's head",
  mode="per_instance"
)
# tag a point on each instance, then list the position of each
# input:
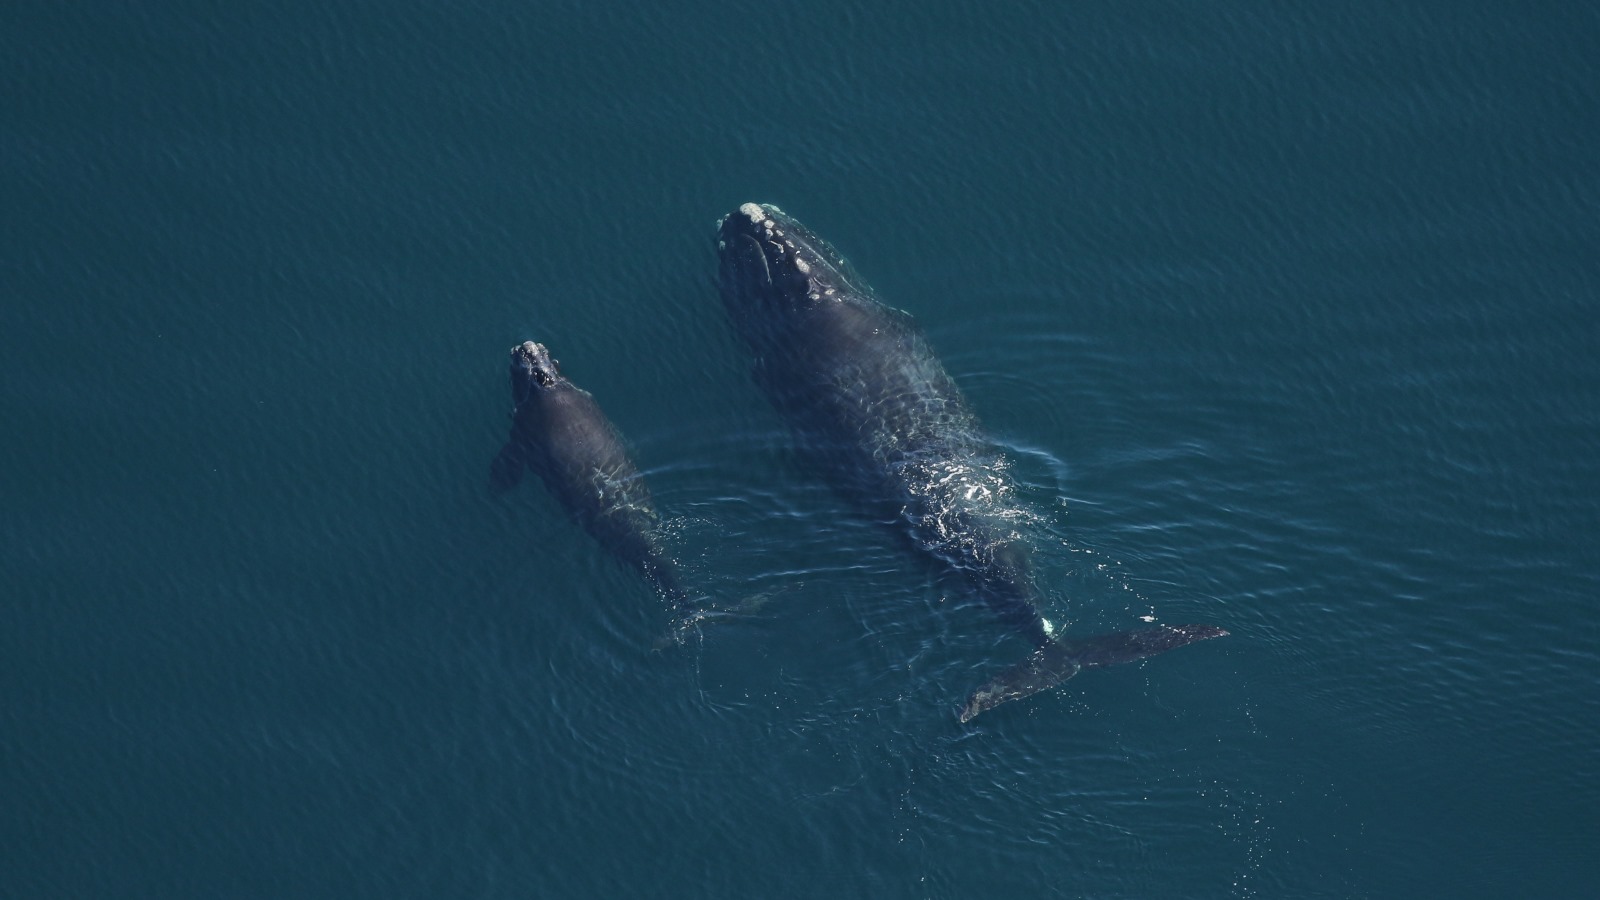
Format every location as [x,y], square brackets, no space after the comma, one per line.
[773,269]
[532,371]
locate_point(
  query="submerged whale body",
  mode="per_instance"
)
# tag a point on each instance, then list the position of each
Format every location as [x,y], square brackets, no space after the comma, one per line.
[876,411]
[559,432]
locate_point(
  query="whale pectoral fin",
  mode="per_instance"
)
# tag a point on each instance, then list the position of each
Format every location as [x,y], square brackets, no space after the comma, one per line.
[1061,659]
[506,470]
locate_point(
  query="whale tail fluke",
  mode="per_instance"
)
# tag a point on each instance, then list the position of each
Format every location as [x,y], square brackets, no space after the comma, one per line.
[1065,657]
[690,625]
[683,630]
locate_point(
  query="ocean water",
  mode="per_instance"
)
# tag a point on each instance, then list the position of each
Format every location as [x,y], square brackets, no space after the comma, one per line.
[1285,317]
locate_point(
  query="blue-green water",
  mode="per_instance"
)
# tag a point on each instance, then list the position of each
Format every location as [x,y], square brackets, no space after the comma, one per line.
[1285,315]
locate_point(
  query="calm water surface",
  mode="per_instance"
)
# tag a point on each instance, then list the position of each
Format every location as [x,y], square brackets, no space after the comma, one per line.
[1284,318]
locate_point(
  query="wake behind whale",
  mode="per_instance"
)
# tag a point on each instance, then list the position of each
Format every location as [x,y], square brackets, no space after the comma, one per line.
[877,413]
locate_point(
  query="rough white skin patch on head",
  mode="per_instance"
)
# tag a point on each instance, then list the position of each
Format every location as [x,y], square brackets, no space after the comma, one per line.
[755,212]
[803,266]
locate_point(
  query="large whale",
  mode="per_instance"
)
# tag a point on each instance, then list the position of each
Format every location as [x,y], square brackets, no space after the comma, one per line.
[559,432]
[875,410]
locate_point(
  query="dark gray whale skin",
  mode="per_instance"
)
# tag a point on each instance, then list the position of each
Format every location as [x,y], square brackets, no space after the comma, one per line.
[559,432]
[877,413]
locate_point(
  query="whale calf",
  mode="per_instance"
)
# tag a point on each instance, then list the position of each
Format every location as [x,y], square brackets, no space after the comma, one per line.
[559,432]
[877,413]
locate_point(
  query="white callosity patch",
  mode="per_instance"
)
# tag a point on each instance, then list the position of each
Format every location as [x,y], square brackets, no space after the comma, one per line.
[813,265]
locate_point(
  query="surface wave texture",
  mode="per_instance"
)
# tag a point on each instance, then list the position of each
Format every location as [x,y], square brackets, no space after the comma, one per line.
[1282,319]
